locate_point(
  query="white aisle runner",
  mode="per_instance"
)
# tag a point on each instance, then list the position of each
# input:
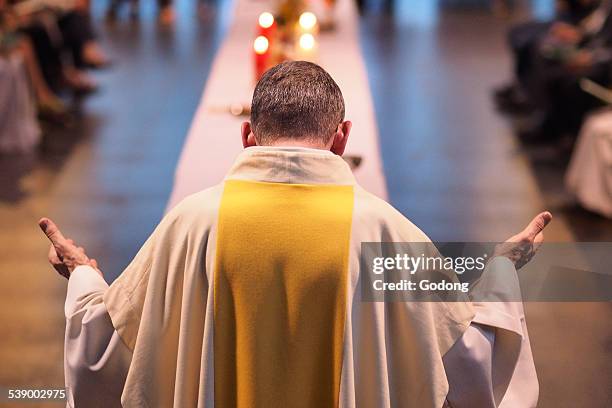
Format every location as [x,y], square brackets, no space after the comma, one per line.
[214,137]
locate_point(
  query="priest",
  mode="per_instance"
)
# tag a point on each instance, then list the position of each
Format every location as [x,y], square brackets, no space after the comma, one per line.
[247,293]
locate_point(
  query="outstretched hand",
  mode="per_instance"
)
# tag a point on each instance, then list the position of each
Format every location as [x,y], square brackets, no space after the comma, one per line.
[521,247]
[64,255]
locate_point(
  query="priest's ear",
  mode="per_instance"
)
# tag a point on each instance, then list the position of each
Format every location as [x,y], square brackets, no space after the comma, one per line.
[341,137]
[248,138]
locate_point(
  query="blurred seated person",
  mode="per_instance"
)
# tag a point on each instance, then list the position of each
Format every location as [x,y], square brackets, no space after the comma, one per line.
[524,39]
[19,130]
[588,177]
[79,37]
[166,15]
[64,42]
[566,55]
[17,51]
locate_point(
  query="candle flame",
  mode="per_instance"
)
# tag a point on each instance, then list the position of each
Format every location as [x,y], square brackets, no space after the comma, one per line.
[266,19]
[307,41]
[261,44]
[307,20]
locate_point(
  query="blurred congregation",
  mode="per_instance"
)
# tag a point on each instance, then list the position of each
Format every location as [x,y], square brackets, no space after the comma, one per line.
[562,71]
[551,60]
[46,49]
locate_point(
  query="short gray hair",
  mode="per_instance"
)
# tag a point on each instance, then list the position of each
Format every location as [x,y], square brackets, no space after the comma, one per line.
[296,100]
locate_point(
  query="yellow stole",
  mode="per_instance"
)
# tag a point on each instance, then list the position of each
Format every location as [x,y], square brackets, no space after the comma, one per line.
[280,284]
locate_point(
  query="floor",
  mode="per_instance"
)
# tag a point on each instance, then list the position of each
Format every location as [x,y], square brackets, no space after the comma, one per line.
[452,165]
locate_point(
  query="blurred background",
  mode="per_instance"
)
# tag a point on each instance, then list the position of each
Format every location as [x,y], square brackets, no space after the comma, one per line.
[487,112]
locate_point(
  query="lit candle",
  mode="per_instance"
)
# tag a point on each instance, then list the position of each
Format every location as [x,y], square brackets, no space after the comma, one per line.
[306,47]
[261,46]
[307,21]
[307,41]
[266,25]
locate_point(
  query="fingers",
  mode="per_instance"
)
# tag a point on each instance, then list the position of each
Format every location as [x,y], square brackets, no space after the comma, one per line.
[57,262]
[52,232]
[53,258]
[63,254]
[537,225]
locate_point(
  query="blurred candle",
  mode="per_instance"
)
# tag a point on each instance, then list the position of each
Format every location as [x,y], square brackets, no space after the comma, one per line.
[307,21]
[267,25]
[307,41]
[261,46]
[306,44]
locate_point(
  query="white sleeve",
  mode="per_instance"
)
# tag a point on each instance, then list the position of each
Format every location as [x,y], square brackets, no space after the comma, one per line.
[96,360]
[491,365]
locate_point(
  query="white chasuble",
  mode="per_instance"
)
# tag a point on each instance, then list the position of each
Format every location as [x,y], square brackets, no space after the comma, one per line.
[247,295]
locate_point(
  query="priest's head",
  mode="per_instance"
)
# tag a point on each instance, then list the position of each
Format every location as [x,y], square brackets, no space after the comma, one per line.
[297,103]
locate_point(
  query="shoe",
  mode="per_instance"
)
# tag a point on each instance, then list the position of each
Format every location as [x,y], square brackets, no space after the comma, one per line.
[79,82]
[166,16]
[55,112]
[94,57]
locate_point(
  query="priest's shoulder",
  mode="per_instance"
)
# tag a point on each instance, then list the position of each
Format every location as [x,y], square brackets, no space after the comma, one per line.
[371,212]
[198,206]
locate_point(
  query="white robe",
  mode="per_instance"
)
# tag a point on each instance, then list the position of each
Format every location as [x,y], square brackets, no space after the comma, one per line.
[461,355]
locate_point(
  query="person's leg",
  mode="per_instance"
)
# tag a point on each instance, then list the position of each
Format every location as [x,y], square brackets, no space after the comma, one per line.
[78,80]
[80,40]
[48,56]
[523,39]
[544,88]
[46,99]
[541,81]
[567,104]
[578,103]
[58,73]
